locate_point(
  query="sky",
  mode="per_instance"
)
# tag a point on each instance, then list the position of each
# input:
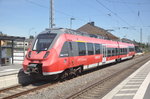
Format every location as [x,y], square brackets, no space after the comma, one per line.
[127,18]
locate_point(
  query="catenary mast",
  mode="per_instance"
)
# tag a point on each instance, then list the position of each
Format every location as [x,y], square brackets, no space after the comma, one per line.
[51,19]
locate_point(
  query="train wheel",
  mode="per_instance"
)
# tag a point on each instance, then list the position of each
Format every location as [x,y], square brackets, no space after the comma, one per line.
[75,72]
[72,73]
[118,60]
[65,75]
[79,71]
[132,57]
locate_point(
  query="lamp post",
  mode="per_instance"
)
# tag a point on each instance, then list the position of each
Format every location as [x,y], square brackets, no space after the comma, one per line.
[30,31]
[71,19]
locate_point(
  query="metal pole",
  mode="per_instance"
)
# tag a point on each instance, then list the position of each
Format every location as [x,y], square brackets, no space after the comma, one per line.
[51,24]
[12,51]
[0,54]
[149,42]
[70,23]
[30,31]
[24,49]
[141,35]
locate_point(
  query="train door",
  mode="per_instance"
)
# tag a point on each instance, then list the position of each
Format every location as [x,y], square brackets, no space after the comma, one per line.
[71,58]
[104,54]
[72,53]
[64,56]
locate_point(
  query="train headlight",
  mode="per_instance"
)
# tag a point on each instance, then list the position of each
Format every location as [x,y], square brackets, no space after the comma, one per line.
[46,54]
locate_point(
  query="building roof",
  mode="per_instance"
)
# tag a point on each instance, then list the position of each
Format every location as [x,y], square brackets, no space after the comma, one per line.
[92,29]
[16,38]
[126,40]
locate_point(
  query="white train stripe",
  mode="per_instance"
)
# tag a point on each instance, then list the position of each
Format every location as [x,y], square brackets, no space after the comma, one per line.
[52,73]
[111,61]
[85,67]
[100,63]
[93,65]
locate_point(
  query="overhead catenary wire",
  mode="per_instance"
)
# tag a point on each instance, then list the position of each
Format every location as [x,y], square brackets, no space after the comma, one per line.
[125,2]
[102,12]
[112,12]
[60,12]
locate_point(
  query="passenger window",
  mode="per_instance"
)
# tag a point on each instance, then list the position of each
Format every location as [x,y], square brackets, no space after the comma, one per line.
[113,52]
[81,48]
[97,48]
[70,45]
[108,52]
[64,50]
[120,51]
[116,51]
[90,48]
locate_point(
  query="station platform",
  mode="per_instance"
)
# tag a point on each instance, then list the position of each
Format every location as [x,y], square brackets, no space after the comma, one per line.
[136,86]
[13,75]
[10,69]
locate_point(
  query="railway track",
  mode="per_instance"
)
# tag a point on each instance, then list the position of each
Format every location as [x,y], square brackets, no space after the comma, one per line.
[93,91]
[16,91]
[20,90]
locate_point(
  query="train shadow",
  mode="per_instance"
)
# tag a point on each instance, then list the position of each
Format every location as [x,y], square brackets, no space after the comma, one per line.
[25,80]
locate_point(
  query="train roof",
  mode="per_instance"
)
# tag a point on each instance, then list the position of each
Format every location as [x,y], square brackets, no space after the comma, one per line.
[75,32]
[70,31]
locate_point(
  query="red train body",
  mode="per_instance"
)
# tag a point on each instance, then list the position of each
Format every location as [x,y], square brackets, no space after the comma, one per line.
[56,51]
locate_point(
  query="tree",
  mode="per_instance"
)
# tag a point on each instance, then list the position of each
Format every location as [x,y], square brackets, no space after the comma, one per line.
[31,37]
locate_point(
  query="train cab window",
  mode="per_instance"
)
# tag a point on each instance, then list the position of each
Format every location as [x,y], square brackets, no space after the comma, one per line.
[97,48]
[81,48]
[90,49]
[43,42]
[64,50]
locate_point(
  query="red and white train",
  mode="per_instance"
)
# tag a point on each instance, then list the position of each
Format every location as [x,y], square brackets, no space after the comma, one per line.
[62,52]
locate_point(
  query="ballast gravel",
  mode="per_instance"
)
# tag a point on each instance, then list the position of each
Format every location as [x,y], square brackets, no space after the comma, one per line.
[64,89]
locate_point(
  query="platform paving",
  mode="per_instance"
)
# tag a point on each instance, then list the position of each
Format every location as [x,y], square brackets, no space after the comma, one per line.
[136,86]
[10,69]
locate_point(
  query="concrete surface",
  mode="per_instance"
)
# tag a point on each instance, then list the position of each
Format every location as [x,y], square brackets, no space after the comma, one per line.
[13,75]
[133,87]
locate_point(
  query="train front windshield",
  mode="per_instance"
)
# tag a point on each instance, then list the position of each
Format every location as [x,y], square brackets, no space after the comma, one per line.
[43,42]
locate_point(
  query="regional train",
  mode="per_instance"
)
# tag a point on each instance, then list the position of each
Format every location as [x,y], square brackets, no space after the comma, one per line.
[63,52]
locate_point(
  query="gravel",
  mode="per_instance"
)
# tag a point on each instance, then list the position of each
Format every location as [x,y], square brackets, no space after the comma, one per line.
[63,89]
